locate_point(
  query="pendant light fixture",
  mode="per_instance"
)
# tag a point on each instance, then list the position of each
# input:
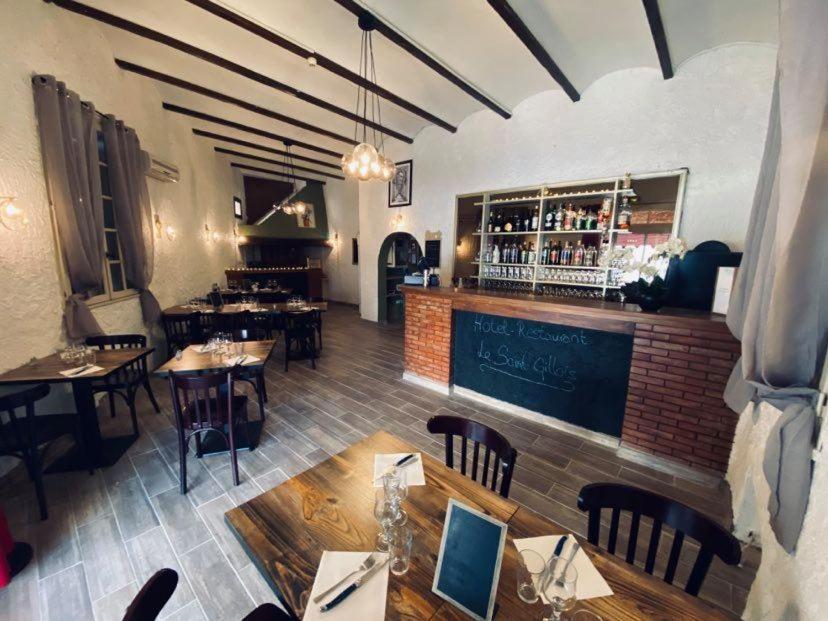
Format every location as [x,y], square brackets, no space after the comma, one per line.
[288,206]
[367,160]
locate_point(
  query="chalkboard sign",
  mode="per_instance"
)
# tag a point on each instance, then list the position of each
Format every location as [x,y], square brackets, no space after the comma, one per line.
[575,374]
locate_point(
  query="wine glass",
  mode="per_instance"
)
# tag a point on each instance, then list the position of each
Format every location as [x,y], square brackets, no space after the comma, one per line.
[559,588]
[384,513]
[529,574]
[396,490]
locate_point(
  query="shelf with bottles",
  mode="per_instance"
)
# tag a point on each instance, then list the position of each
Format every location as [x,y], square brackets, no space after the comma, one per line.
[573,232]
[498,233]
[569,283]
[568,275]
[590,194]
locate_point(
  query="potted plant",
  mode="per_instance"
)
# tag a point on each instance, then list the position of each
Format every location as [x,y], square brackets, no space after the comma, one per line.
[644,284]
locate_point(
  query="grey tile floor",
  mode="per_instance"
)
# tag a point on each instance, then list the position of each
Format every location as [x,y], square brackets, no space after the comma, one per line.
[109,532]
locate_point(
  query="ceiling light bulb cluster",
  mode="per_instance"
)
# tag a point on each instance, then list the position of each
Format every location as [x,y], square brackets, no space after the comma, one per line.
[287,206]
[367,160]
[366,163]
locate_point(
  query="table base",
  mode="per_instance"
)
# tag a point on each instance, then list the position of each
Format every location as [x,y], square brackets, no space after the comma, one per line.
[111,450]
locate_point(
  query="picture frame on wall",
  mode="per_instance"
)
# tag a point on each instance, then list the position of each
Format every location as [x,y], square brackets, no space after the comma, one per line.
[237,207]
[399,188]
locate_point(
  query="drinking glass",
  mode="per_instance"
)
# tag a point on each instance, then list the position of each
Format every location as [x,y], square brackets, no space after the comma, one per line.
[529,571]
[560,588]
[585,615]
[400,539]
[396,490]
[384,513]
[89,356]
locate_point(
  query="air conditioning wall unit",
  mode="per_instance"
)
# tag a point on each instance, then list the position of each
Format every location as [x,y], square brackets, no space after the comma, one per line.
[162,171]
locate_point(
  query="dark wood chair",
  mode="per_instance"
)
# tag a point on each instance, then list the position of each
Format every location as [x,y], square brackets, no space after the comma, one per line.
[230,322]
[22,433]
[126,382]
[255,376]
[215,298]
[493,443]
[712,538]
[180,331]
[203,405]
[317,325]
[300,337]
[204,324]
[153,596]
[269,612]
[261,324]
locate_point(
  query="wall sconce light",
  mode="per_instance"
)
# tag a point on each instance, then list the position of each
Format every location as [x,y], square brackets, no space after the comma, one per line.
[12,215]
[397,222]
[210,235]
[161,230]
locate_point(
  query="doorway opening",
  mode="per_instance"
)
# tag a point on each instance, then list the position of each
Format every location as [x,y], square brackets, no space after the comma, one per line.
[398,256]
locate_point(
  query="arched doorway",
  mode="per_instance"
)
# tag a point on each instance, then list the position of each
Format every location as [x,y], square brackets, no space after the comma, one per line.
[398,256]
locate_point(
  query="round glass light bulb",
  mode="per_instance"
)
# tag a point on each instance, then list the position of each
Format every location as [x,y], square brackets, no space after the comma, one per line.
[300,208]
[365,153]
[12,216]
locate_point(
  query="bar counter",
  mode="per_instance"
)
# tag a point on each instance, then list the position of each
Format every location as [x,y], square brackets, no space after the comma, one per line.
[651,382]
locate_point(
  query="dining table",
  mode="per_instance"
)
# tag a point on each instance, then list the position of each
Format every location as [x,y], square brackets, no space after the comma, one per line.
[274,307]
[102,451]
[200,359]
[330,507]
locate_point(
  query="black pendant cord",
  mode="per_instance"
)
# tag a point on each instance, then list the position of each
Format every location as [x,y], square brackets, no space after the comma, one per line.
[381,143]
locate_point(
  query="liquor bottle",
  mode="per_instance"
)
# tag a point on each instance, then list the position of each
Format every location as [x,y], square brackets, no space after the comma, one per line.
[519,224]
[578,255]
[498,222]
[606,212]
[479,226]
[568,217]
[515,253]
[527,221]
[496,254]
[508,226]
[490,228]
[566,254]
[590,256]
[531,254]
[591,220]
[559,217]
[549,218]
[544,258]
[580,217]
[624,214]
[555,254]
[523,254]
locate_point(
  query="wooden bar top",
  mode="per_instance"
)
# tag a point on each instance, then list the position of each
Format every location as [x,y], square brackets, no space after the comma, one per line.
[612,316]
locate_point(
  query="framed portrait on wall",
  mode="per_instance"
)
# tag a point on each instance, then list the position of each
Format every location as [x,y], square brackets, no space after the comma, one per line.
[237,207]
[399,188]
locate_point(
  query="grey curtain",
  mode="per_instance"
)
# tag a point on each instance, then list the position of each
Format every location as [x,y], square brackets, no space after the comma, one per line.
[127,178]
[779,308]
[70,160]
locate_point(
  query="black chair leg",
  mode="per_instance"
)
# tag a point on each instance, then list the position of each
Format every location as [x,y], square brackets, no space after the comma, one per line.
[260,395]
[199,454]
[130,398]
[182,462]
[111,404]
[234,462]
[34,457]
[148,388]
[264,388]
[287,353]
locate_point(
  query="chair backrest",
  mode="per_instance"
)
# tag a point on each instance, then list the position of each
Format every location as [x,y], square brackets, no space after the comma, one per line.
[711,537]
[247,334]
[301,320]
[117,341]
[198,402]
[493,444]
[269,612]
[153,596]
[18,429]
[215,298]
[179,328]
[228,322]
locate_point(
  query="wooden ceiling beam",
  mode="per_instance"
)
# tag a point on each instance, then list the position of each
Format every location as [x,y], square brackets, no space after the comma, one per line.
[215,59]
[274,172]
[432,63]
[659,37]
[321,61]
[521,30]
[202,90]
[261,147]
[245,128]
[276,162]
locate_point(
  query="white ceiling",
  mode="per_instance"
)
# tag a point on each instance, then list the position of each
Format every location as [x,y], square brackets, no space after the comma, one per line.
[586,38]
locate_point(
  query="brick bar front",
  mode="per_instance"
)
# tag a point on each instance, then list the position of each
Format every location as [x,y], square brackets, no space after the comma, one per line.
[680,363]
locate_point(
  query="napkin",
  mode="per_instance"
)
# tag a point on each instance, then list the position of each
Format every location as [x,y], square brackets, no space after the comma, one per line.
[230,362]
[413,468]
[590,583]
[71,372]
[367,603]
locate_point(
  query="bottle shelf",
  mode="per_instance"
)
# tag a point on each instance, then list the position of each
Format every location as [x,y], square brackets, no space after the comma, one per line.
[512,264]
[578,232]
[574,195]
[504,278]
[564,283]
[558,266]
[509,233]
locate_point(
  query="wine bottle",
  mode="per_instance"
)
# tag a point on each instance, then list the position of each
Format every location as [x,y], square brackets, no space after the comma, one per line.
[535,218]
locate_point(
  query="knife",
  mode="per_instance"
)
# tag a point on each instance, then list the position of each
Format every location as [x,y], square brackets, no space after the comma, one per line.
[405,459]
[85,367]
[575,547]
[353,587]
[556,556]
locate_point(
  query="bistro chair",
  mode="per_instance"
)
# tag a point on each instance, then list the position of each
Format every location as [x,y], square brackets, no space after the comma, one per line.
[269,612]
[126,382]
[261,324]
[711,537]
[153,596]
[300,337]
[215,298]
[493,444]
[21,433]
[253,376]
[204,325]
[229,322]
[203,405]
[180,331]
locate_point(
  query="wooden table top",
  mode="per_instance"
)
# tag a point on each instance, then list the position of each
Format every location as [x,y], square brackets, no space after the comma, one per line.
[276,307]
[47,369]
[194,361]
[330,507]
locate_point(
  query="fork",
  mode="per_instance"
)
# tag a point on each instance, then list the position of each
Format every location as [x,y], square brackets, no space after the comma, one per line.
[367,564]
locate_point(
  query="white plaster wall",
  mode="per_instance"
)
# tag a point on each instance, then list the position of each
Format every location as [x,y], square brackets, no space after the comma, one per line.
[711,117]
[787,587]
[342,202]
[40,38]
